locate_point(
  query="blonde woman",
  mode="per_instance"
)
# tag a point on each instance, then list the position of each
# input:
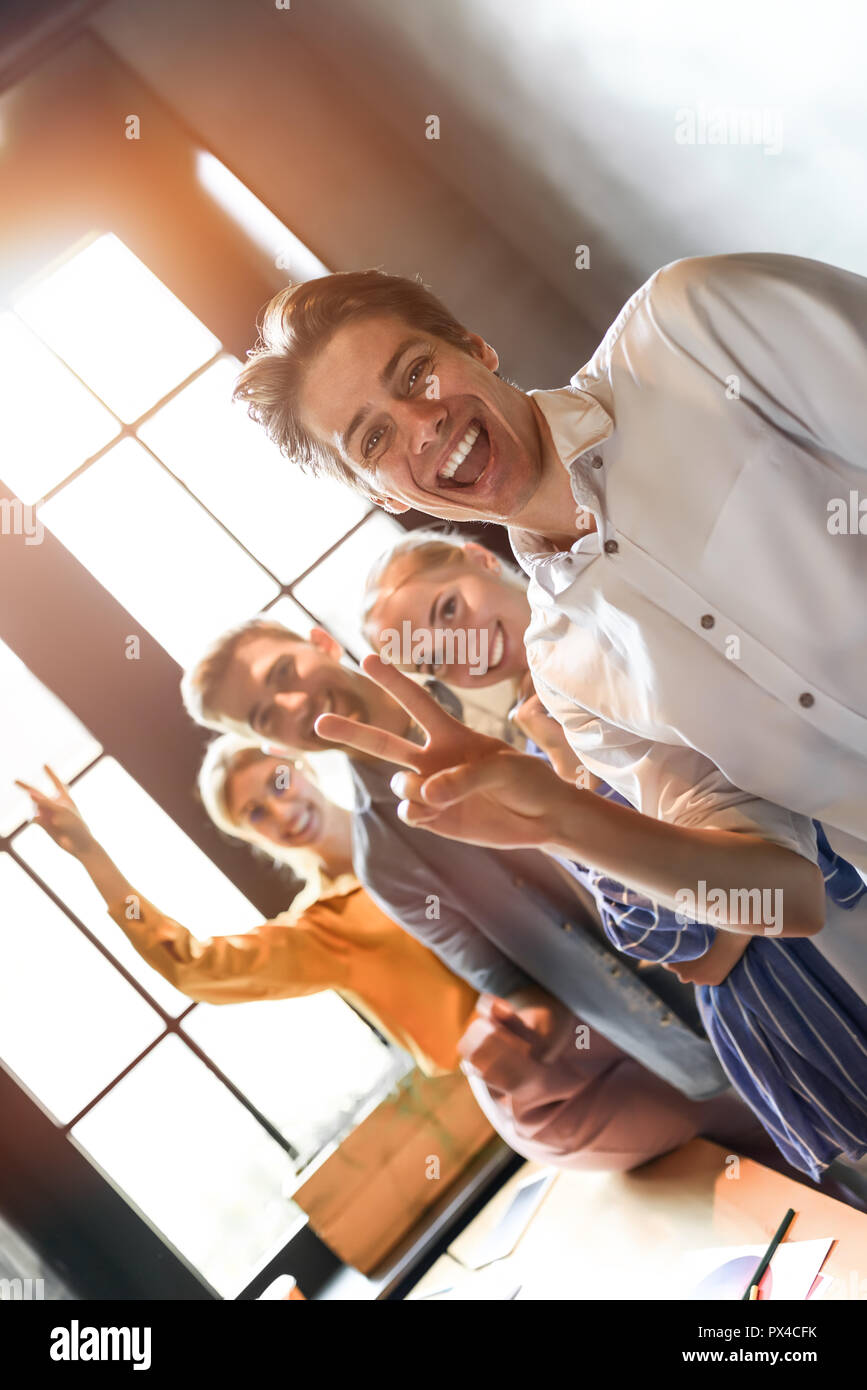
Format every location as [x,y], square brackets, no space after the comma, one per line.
[333,936]
[440,580]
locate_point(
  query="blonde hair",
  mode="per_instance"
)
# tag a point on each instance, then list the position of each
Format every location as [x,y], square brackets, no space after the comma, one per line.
[425,549]
[201,681]
[231,753]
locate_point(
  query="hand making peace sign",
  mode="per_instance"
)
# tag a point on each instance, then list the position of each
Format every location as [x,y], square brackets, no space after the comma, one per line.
[60,816]
[466,786]
[461,784]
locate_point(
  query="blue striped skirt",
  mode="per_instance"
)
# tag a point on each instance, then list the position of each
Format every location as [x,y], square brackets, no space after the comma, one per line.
[792,1037]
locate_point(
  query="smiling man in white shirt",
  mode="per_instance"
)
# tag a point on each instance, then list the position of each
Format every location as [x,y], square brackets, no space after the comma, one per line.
[699,617]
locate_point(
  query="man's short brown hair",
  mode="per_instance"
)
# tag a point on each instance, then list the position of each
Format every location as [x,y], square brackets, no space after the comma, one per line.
[296,326]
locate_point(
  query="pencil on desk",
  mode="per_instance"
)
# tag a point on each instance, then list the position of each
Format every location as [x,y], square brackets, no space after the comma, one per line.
[762,1266]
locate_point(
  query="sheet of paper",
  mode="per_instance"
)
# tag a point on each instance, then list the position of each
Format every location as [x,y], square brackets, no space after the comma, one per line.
[725,1272]
[493,1284]
[511,1225]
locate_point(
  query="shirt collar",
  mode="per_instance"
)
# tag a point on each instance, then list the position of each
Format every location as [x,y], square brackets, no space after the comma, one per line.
[577,421]
[579,424]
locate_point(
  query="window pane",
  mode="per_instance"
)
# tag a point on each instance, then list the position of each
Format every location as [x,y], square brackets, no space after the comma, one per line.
[257,221]
[157,859]
[117,326]
[39,446]
[309,1064]
[45,731]
[290,615]
[151,544]
[196,1163]
[285,517]
[334,589]
[68,1021]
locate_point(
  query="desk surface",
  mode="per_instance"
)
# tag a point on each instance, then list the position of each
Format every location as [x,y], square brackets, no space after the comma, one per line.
[621,1235]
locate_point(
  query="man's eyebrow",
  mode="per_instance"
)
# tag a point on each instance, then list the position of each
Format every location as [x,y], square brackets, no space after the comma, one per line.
[384,377]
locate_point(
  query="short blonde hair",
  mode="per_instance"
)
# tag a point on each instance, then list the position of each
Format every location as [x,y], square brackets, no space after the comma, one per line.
[427,548]
[230,753]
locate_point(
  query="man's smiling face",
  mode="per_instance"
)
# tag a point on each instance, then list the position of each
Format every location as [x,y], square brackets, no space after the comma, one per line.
[422,423]
[276,688]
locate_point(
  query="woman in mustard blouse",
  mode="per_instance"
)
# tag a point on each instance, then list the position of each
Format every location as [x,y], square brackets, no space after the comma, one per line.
[333,937]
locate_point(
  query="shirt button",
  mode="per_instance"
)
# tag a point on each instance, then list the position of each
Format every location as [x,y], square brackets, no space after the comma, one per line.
[707,620]
[615,970]
[665,1019]
[596,461]
[611,547]
[806,699]
[567,926]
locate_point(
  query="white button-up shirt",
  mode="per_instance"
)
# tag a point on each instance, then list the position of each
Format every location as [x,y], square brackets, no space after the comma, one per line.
[705,649]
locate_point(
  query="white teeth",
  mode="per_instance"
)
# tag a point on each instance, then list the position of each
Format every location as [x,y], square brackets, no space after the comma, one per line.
[301,824]
[497,649]
[456,458]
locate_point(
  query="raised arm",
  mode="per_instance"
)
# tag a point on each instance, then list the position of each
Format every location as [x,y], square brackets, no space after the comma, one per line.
[271,962]
[466,786]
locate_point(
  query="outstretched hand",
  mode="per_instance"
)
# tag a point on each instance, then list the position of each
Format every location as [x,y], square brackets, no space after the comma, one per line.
[460,783]
[59,816]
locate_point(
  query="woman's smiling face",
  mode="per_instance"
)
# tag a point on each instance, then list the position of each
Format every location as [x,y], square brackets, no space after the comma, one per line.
[469,595]
[272,797]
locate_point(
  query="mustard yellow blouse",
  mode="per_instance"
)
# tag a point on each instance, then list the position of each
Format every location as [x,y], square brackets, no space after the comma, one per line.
[343,942]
